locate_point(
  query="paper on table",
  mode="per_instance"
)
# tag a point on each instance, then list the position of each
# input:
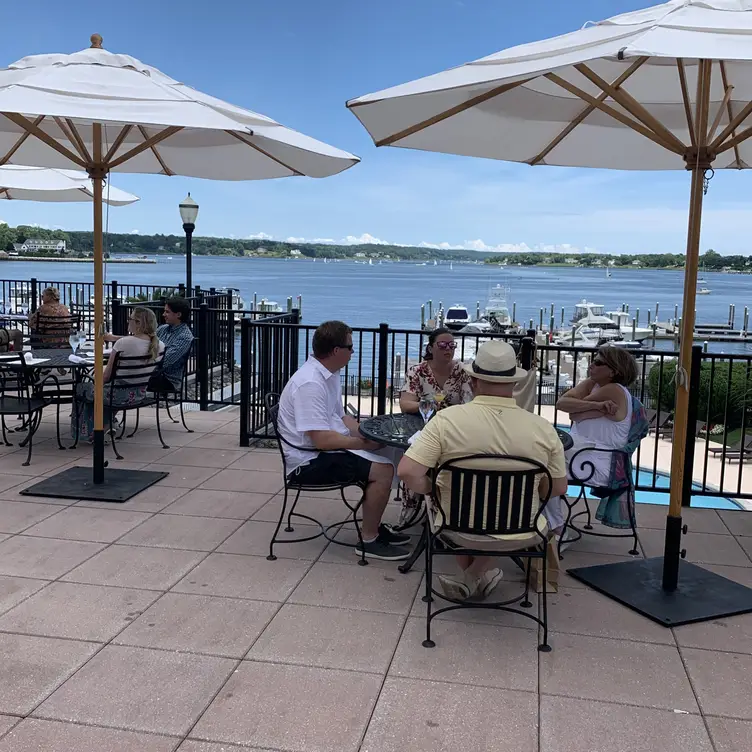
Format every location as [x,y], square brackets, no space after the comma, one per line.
[413,438]
[35,361]
[78,359]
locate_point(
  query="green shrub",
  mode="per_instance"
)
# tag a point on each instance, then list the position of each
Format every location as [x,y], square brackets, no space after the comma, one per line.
[718,402]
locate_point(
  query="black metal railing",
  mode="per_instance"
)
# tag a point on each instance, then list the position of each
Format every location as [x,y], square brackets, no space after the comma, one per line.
[719,443]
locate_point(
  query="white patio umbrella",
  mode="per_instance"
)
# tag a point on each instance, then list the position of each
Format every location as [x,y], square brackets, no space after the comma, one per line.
[23,183]
[666,88]
[103,112]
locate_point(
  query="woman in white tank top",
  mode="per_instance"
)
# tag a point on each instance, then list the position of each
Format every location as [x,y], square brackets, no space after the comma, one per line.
[601,411]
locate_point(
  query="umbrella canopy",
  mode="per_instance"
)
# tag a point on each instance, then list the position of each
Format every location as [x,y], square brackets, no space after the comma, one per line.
[103,112]
[669,87]
[18,183]
[615,94]
[150,123]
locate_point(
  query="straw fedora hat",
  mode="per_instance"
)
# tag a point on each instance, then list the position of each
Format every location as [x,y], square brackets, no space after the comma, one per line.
[496,361]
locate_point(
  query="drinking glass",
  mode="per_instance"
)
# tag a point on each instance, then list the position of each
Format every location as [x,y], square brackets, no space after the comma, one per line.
[73,341]
[426,407]
[81,339]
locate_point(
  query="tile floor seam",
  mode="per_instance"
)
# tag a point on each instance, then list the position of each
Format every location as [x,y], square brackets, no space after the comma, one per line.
[88,724]
[620,638]
[698,712]
[44,519]
[17,633]
[696,696]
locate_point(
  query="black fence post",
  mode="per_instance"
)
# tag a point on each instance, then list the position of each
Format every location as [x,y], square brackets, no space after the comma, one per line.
[295,341]
[203,357]
[526,352]
[115,311]
[34,299]
[114,289]
[383,372]
[181,290]
[230,331]
[197,293]
[692,409]
[245,381]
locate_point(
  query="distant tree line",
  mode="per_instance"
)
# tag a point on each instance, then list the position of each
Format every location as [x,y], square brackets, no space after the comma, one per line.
[81,243]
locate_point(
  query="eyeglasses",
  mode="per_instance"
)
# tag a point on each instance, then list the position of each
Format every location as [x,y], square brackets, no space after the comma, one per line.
[446,345]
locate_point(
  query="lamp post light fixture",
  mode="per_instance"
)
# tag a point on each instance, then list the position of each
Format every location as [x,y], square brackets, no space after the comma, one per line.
[188,213]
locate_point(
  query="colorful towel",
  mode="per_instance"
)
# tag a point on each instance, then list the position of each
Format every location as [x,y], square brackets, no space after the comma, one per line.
[617,507]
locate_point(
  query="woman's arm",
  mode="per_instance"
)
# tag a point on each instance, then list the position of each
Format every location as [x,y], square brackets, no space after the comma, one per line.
[575,400]
[410,395]
[409,402]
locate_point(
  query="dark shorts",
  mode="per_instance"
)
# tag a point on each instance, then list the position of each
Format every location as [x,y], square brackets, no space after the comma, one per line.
[333,468]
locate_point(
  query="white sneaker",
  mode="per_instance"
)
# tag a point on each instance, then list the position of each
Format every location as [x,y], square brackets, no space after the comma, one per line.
[453,589]
[488,582]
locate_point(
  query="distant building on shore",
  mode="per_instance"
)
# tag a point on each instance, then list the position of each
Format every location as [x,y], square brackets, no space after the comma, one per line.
[34,245]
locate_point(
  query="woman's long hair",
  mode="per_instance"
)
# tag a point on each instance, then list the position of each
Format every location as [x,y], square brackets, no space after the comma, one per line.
[432,337]
[145,322]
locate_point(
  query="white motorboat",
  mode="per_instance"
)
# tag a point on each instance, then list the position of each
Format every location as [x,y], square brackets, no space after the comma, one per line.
[703,291]
[456,317]
[497,310]
[622,320]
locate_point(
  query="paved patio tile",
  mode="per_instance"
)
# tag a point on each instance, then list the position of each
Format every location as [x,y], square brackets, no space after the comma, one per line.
[191,746]
[254,537]
[574,559]
[322,508]
[229,504]
[244,577]
[569,725]
[173,439]
[423,716]
[12,464]
[746,544]
[200,624]
[702,548]
[609,546]
[367,588]
[730,735]
[739,523]
[294,708]
[469,653]
[8,481]
[732,634]
[590,613]
[153,499]
[216,440]
[13,493]
[7,722]
[136,567]
[653,516]
[54,736]
[15,589]
[83,612]
[178,531]
[625,672]
[46,558]
[183,476]
[140,690]
[266,462]
[83,524]
[16,516]
[721,681]
[244,480]
[198,457]
[742,575]
[34,666]
[330,638]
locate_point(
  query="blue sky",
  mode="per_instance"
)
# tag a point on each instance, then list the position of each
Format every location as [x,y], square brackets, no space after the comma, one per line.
[299,61]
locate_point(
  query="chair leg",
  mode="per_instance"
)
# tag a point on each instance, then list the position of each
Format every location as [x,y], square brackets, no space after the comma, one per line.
[138,416]
[544,647]
[525,602]
[362,561]
[182,418]
[428,642]
[77,407]
[122,425]
[112,437]
[159,428]
[169,414]
[565,501]
[57,426]
[28,440]
[633,521]
[271,556]
[589,525]
[5,438]
[290,528]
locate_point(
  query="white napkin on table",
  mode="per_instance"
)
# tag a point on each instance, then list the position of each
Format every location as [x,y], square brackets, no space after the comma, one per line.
[413,438]
[78,359]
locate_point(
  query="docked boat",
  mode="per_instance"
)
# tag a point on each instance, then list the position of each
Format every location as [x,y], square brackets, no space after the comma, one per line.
[497,311]
[456,317]
[637,333]
[703,291]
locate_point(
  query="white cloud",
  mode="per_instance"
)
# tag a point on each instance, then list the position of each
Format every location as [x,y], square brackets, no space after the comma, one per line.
[134,232]
[364,239]
[259,236]
[295,240]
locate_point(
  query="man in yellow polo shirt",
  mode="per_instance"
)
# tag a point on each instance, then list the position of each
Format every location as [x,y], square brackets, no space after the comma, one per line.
[491,424]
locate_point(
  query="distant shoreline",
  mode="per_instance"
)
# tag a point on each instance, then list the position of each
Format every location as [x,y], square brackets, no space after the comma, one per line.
[61,260]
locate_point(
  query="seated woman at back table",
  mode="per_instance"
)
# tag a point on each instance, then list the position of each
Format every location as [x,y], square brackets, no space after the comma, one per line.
[142,341]
[51,308]
[439,376]
[601,411]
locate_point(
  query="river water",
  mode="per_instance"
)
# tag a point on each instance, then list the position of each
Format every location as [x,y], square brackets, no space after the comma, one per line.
[365,295]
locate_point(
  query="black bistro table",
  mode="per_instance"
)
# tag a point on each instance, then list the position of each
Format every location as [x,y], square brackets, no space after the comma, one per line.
[396,430]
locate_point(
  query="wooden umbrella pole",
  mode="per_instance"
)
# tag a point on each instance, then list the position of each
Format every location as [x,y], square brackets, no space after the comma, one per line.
[97,173]
[698,161]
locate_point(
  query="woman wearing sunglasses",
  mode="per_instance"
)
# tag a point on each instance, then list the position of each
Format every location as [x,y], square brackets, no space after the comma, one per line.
[439,377]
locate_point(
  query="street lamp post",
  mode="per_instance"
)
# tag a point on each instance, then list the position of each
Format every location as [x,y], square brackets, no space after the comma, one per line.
[188,213]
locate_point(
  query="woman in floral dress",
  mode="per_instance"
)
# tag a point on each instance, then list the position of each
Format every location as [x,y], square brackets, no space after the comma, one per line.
[439,377]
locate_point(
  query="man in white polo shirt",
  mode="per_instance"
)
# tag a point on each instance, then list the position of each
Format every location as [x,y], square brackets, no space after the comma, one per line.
[311,415]
[492,423]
